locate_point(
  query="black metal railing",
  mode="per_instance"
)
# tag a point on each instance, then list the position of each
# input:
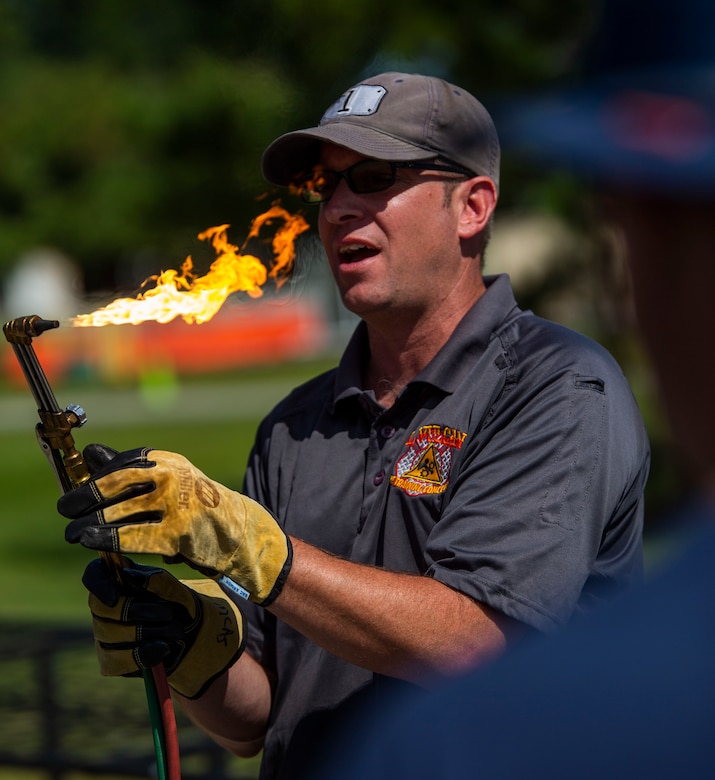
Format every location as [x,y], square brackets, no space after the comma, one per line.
[59,717]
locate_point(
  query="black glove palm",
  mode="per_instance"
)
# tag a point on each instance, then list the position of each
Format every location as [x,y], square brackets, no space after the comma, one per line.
[151,617]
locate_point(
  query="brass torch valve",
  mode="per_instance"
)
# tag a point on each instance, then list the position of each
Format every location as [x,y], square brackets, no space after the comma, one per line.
[54,431]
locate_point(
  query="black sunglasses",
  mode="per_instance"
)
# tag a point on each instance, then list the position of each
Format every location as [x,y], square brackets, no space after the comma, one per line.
[363,177]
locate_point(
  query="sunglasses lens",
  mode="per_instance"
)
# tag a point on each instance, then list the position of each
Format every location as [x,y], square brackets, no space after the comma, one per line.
[318,187]
[363,177]
[371,176]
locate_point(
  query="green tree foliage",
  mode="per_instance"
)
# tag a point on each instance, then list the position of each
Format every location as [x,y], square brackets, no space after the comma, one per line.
[128,127]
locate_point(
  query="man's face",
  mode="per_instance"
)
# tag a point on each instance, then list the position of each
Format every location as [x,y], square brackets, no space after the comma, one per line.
[394,252]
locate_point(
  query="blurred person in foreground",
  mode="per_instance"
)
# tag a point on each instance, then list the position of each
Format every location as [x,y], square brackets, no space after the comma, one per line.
[628,691]
[470,473]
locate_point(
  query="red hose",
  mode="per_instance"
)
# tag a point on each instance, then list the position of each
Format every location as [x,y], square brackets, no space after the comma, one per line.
[171,737]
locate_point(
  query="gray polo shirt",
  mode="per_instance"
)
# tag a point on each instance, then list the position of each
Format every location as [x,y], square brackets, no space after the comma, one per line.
[511,469]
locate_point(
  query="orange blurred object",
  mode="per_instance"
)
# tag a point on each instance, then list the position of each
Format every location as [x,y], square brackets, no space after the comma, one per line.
[254,333]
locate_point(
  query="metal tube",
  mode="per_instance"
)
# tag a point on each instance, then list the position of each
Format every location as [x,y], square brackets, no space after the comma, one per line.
[39,386]
[54,431]
[54,434]
[19,333]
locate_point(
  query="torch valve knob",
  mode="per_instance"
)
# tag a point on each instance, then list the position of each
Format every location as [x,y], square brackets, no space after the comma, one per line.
[79,413]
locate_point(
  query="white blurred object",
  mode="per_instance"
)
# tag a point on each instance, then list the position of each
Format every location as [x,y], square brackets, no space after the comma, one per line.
[45,282]
[529,247]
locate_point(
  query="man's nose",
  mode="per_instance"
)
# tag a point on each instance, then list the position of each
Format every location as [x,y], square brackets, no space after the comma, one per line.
[343,204]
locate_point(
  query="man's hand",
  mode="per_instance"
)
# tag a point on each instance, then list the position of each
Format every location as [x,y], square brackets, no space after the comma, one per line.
[151,617]
[151,501]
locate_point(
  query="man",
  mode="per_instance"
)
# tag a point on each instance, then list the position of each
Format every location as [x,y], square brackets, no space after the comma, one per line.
[630,691]
[469,473]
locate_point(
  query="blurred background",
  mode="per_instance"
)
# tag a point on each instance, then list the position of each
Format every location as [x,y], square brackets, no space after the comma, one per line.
[126,129]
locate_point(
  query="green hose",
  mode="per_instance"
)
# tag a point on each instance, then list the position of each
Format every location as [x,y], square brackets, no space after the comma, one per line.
[157,725]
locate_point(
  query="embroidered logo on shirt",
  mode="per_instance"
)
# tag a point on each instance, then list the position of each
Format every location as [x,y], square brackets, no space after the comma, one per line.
[425,467]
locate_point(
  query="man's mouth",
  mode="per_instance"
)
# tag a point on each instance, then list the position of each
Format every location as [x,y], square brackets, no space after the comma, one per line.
[352,253]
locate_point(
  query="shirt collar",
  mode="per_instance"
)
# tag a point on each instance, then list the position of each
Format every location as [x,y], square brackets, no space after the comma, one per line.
[348,378]
[467,344]
[448,367]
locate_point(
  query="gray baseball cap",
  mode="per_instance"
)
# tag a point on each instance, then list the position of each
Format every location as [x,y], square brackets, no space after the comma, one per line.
[397,117]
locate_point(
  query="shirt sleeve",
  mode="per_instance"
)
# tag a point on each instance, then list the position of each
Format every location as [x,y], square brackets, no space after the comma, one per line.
[546,509]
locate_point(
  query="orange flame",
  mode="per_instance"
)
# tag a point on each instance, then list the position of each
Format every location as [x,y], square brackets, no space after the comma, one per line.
[197,299]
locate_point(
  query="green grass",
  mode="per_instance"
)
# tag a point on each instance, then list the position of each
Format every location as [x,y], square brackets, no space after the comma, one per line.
[40,574]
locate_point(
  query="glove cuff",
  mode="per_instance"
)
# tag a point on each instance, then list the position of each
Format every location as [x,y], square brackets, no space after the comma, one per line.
[264,572]
[281,578]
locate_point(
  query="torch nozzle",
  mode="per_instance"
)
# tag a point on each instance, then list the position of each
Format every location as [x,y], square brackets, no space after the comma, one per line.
[23,329]
[40,326]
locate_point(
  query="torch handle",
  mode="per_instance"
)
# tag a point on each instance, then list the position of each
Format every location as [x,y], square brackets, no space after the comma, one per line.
[54,434]
[54,431]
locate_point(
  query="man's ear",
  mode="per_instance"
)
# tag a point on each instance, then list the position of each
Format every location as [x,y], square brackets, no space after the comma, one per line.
[478,205]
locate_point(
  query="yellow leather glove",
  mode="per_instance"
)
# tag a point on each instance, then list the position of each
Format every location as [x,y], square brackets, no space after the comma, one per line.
[151,501]
[151,617]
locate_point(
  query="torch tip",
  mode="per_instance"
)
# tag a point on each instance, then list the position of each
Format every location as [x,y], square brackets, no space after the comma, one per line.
[23,329]
[40,326]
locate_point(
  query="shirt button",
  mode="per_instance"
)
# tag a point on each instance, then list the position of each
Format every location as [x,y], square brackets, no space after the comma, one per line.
[379,478]
[387,432]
